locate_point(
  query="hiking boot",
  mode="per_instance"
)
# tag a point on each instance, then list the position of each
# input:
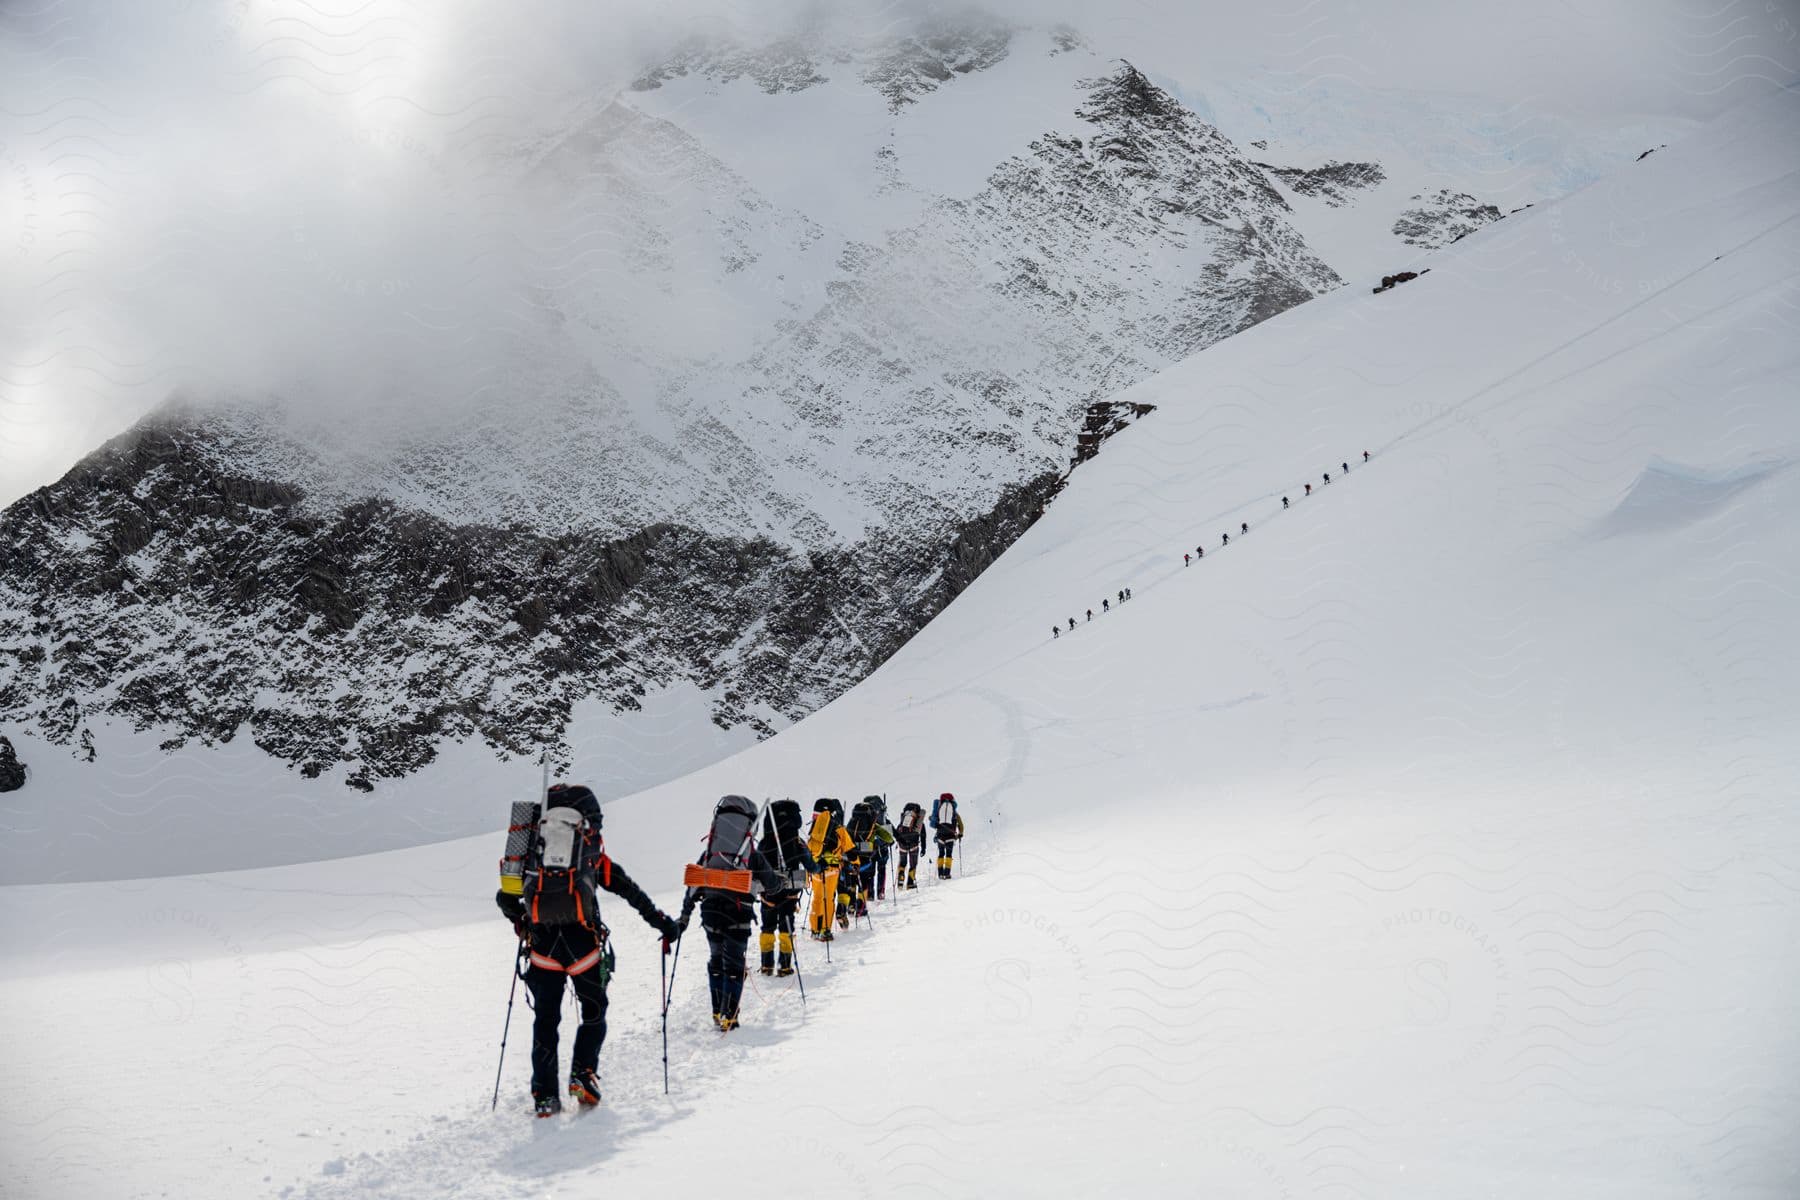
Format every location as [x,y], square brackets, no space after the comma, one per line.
[784,972]
[585,1087]
[727,1024]
[549,1104]
[765,969]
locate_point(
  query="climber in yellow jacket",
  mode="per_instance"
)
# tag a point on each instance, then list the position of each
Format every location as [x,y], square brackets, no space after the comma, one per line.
[827,843]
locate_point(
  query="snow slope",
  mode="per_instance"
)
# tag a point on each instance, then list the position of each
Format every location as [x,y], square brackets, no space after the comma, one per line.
[1434,839]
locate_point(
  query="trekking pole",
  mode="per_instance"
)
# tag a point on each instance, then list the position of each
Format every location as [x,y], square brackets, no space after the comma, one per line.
[511,995]
[668,995]
[663,961]
[798,977]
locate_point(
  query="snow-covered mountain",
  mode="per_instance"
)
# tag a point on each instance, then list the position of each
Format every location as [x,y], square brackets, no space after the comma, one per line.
[811,339]
[1434,839]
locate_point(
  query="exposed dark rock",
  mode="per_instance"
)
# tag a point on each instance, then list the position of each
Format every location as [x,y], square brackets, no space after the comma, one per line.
[1442,218]
[13,773]
[919,65]
[1332,182]
[1103,419]
[1390,281]
[375,634]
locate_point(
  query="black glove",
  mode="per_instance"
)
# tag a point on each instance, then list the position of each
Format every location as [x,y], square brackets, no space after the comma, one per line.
[671,929]
[521,929]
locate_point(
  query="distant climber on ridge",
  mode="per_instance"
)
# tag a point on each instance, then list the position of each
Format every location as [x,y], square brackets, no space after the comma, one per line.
[949,825]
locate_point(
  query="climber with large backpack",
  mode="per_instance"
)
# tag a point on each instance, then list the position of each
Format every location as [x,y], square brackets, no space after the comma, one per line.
[884,847]
[827,841]
[909,839]
[781,843]
[949,826]
[868,833]
[552,899]
[725,881]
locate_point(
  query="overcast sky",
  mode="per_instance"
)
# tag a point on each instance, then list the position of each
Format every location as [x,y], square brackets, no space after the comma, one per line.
[239,195]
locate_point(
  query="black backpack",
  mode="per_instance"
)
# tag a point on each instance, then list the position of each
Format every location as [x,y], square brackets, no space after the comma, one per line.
[566,861]
[862,827]
[911,829]
[725,863]
[732,837]
[782,843]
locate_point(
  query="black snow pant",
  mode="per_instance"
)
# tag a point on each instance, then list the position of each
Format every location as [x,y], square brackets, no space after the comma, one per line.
[727,924]
[856,884]
[906,865]
[946,848]
[881,862]
[570,952]
[779,910]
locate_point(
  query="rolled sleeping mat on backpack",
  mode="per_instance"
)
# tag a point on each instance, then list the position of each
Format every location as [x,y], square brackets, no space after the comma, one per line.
[698,876]
[520,828]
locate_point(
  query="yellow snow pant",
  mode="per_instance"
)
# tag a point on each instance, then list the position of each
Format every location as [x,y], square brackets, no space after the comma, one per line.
[824,896]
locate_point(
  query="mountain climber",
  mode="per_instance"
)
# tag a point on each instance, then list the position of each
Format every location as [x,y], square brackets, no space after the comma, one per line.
[1055,631]
[868,833]
[1346,467]
[1244,527]
[1187,560]
[1071,624]
[1227,540]
[1121,595]
[1128,593]
[1328,477]
[884,847]
[1365,456]
[1199,551]
[782,845]
[1105,605]
[1090,613]
[1284,502]
[1309,489]
[557,918]
[826,843]
[732,855]
[909,839]
[949,826]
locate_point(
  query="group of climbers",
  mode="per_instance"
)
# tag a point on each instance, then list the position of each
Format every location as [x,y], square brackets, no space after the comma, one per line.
[753,871]
[1105,607]
[1199,552]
